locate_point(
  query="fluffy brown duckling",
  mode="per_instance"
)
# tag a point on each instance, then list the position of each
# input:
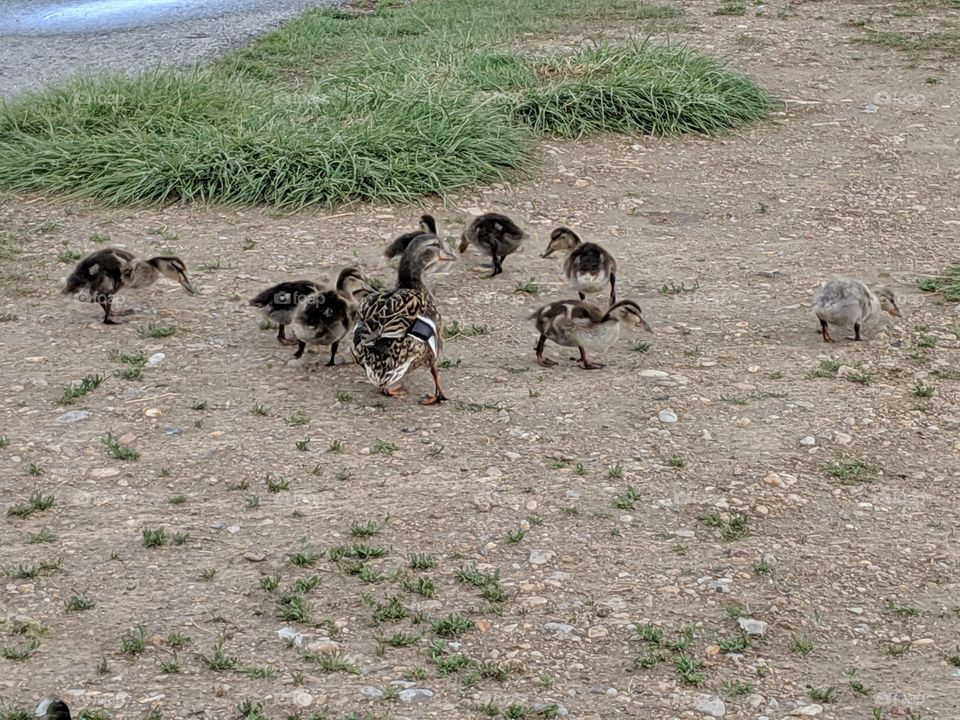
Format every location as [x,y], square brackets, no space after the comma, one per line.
[495,235]
[102,274]
[575,323]
[279,302]
[588,267]
[325,316]
[396,248]
[846,301]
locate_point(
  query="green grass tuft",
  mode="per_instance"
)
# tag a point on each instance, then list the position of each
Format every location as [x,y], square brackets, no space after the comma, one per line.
[388,106]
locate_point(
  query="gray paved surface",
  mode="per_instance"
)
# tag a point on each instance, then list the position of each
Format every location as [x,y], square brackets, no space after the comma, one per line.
[43,42]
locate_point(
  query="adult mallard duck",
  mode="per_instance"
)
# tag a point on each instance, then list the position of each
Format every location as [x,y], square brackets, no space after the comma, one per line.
[495,234]
[52,708]
[396,248]
[102,274]
[325,316]
[846,301]
[399,330]
[588,267]
[279,302]
[575,323]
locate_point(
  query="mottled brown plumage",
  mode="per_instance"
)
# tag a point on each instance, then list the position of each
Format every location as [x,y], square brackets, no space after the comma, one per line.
[398,330]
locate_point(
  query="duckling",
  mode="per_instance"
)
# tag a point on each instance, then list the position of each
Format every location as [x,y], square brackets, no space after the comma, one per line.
[845,300]
[52,708]
[588,267]
[399,330]
[102,274]
[495,234]
[279,302]
[396,248]
[575,323]
[325,316]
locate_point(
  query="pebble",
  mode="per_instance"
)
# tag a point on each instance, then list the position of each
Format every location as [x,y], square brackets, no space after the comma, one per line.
[155,360]
[101,473]
[73,416]
[808,710]
[808,441]
[323,645]
[667,416]
[559,628]
[415,695]
[153,412]
[752,627]
[301,698]
[711,705]
[371,693]
[233,529]
[684,533]
[289,634]
[654,374]
[254,557]
[541,557]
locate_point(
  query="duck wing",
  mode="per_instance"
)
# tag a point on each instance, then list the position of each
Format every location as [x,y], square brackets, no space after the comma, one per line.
[389,315]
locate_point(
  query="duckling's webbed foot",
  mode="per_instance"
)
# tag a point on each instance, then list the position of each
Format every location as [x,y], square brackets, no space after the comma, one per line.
[333,354]
[497,265]
[282,337]
[857,337]
[107,308]
[586,364]
[546,362]
[301,346]
[394,391]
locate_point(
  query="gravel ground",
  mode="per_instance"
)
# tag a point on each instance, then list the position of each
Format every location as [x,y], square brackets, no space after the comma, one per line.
[704,484]
[32,55]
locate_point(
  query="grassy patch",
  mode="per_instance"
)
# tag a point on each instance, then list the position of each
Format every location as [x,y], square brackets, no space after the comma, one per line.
[413,99]
[946,285]
[74,391]
[851,471]
[38,502]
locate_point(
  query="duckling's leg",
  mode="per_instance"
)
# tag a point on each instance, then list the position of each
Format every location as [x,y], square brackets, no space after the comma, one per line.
[333,354]
[586,364]
[301,346]
[613,288]
[106,305]
[282,337]
[497,264]
[438,396]
[546,362]
[856,333]
[824,331]
[583,296]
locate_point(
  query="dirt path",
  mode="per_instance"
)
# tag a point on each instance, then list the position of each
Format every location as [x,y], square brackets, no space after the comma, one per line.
[526,472]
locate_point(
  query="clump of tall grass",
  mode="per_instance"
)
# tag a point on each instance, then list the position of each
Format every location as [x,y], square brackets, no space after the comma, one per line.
[385,106]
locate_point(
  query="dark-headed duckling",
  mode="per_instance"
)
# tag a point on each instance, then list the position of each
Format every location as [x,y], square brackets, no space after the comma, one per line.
[396,248]
[846,301]
[399,330]
[325,316]
[52,708]
[495,235]
[102,274]
[588,267]
[280,301]
[575,323]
